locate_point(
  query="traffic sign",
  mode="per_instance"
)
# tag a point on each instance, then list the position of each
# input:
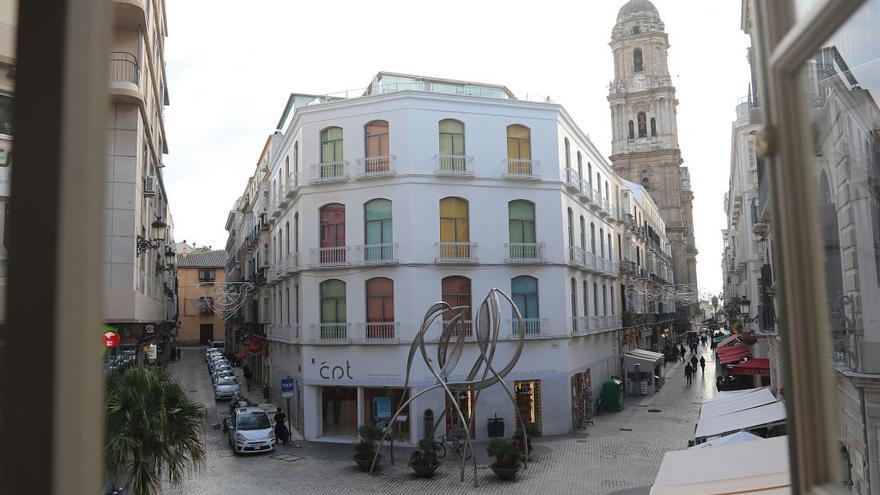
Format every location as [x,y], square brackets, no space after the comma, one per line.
[111,339]
[287,387]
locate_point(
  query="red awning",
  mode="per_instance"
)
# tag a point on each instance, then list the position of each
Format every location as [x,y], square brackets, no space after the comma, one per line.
[756,366]
[733,354]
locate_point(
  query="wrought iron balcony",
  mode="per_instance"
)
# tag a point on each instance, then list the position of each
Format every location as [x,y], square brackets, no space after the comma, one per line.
[124,68]
[525,252]
[376,166]
[379,332]
[522,169]
[328,257]
[378,254]
[456,252]
[454,165]
[532,326]
[325,173]
[573,180]
[332,332]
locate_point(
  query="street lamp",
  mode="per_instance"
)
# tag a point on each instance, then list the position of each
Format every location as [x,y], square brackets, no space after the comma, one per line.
[157,233]
[744,305]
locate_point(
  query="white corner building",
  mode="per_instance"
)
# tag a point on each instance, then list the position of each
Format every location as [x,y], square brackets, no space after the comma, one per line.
[423,190]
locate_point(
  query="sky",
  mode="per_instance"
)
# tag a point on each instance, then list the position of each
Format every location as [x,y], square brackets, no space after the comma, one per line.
[231,66]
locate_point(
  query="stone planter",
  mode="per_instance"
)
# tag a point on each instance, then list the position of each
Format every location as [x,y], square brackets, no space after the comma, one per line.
[365,462]
[425,470]
[506,473]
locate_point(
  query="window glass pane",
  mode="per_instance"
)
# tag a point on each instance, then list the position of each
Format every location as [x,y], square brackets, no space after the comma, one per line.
[522,210]
[378,209]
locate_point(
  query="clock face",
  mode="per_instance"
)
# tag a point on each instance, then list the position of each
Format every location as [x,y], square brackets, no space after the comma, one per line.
[639,78]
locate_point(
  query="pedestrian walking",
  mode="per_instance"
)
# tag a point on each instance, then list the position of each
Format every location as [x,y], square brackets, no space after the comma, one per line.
[179,353]
[694,363]
[681,349]
[246,371]
[703,364]
[689,374]
[281,432]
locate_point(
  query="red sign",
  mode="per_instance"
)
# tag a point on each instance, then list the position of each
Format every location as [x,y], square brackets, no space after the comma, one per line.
[111,339]
[254,346]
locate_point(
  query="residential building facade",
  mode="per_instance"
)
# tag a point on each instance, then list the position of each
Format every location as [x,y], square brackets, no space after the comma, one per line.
[199,273]
[140,298]
[645,148]
[425,190]
[8,21]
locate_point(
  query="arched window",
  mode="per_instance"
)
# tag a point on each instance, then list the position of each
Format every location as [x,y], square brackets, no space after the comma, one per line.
[376,147]
[637,60]
[296,232]
[380,308]
[611,297]
[595,299]
[599,185]
[592,237]
[296,303]
[610,251]
[580,176]
[332,233]
[378,236]
[332,164]
[607,194]
[333,314]
[452,151]
[586,296]
[583,234]
[287,167]
[646,183]
[604,300]
[567,155]
[570,227]
[643,125]
[590,174]
[296,161]
[519,150]
[456,291]
[601,244]
[574,305]
[521,226]
[454,228]
[636,30]
[653,126]
[524,292]
[287,237]
[632,132]
[287,303]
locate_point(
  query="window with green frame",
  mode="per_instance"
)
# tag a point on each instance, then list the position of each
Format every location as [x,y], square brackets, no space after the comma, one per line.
[333,302]
[522,228]
[378,239]
[524,292]
[331,152]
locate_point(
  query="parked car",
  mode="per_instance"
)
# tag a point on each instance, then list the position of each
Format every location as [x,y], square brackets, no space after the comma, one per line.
[210,351]
[217,362]
[222,365]
[226,388]
[218,344]
[249,430]
[220,374]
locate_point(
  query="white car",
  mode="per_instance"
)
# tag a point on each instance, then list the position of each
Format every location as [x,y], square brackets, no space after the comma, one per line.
[221,374]
[226,388]
[249,430]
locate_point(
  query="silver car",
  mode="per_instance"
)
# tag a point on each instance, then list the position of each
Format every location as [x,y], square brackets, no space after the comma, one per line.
[220,374]
[226,388]
[249,430]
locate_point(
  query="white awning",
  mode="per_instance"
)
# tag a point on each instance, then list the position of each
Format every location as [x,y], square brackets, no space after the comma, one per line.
[760,466]
[732,402]
[740,437]
[642,357]
[740,420]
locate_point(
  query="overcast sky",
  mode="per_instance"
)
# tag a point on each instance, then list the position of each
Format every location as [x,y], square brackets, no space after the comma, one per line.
[232,64]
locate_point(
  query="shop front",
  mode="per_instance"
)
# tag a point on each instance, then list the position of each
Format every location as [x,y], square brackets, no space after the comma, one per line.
[581,400]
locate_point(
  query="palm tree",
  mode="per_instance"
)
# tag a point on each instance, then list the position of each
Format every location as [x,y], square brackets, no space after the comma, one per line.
[153,429]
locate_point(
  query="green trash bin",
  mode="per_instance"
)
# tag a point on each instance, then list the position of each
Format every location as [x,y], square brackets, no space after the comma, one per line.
[612,395]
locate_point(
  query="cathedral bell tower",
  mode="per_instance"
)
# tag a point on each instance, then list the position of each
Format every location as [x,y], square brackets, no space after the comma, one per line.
[645,130]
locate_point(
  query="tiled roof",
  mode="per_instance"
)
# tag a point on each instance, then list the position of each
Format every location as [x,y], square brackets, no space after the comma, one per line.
[202,259]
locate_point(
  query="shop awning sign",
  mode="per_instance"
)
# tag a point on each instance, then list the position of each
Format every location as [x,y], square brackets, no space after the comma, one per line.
[111,339]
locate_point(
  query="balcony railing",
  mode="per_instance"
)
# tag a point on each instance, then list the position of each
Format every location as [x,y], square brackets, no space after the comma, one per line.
[522,169]
[467,327]
[525,252]
[581,258]
[124,68]
[375,166]
[332,332]
[628,267]
[288,333]
[331,256]
[379,331]
[573,180]
[455,165]
[532,326]
[456,252]
[378,254]
[590,325]
[586,191]
[329,172]
[597,198]
[289,263]
[291,186]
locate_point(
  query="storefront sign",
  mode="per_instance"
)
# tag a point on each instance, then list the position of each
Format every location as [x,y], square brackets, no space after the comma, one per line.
[149,328]
[111,339]
[328,371]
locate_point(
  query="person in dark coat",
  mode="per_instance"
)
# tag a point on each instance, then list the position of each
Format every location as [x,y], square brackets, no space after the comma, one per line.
[694,363]
[689,374]
[682,352]
[281,432]
[703,364]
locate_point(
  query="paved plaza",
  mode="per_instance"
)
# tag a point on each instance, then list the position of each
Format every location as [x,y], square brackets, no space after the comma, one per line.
[620,451]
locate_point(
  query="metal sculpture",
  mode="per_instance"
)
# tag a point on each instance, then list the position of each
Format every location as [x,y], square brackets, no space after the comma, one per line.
[483,374]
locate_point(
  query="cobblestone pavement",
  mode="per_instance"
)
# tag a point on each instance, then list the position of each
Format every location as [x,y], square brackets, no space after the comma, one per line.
[620,451]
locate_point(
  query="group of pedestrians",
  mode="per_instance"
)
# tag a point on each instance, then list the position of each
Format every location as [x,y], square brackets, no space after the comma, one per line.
[691,368]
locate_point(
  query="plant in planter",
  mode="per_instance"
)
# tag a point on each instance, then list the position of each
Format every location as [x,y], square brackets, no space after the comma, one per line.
[507,456]
[532,431]
[365,449]
[424,460]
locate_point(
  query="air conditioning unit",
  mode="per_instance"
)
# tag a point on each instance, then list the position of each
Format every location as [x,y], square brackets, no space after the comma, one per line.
[150,185]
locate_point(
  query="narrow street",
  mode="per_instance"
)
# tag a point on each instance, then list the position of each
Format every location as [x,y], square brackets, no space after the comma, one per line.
[620,451]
